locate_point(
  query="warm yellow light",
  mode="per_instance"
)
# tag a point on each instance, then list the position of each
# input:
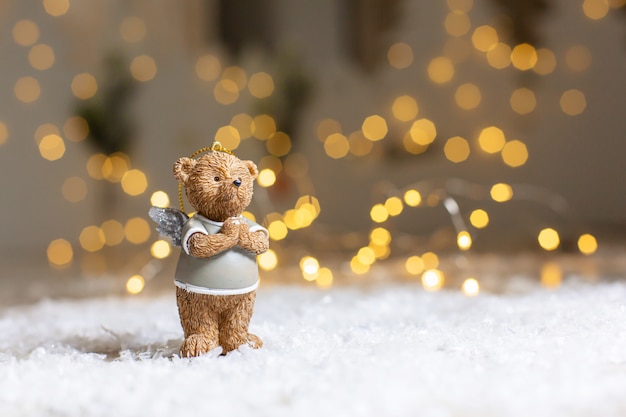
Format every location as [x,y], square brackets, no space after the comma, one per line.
[366,255]
[309,267]
[237,75]
[440,70]
[76,128]
[394,206]
[523,101]
[226,92]
[263,126]
[460,6]
[374,127]
[432,280]
[412,198]
[587,244]
[27,89]
[4,133]
[423,132]
[549,239]
[414,265]
[133,29]
[380,236]
[160,249]
[470,287]
[359,145]
[113,232]
[228,136]
[25,32]
[261,85]
[278,144]
[243,123]
[52,147]
[60,253]
[324,278]
[135,284]
[457,24]
[410,146]
[137,230]
[357,267]
[546,61]
[616,4]
[485,38]
[326,127]
[491,139]
[91,238]
[515,153]
[268,260]
[551,275]
[573,102]
[115,166]
[45,130]
[249,215]
[578,58]
[41,57]
[479,218]
[464,240]
[266,178]
[134,182]
[400,55]
[160,199]
[56,7]
[84,86]
[143,68]
[404,108]
[467,96]
[595,9]
[208,67]
[501,192]
[278,230]
[430,260]
[500,56]
[456,149]
[74,189]
[524,56]
[336,146]
[379,213]
[94,166]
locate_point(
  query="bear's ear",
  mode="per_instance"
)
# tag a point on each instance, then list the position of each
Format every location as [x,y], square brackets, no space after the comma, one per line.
[252,168]
[182,169]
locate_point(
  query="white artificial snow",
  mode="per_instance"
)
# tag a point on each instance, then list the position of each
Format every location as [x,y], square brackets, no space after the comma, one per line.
[387,351]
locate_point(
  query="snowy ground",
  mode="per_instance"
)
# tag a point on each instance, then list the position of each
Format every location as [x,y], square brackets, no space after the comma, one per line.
[388,351]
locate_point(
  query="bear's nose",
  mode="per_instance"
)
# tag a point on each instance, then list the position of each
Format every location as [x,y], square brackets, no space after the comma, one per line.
[237,182]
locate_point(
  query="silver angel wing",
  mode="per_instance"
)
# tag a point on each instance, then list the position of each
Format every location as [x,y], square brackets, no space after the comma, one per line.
[170,222]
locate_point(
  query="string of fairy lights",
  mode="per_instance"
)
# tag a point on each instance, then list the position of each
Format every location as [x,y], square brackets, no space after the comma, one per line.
[230,83]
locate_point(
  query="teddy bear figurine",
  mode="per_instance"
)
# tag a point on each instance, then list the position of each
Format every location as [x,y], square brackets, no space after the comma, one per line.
[217,274]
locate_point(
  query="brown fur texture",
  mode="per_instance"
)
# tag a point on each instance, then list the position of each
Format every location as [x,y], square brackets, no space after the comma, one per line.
[219,186]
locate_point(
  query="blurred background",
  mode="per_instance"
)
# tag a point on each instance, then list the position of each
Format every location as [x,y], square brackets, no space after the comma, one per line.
[458,143]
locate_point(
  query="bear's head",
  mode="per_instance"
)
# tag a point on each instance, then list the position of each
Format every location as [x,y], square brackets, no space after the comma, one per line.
[218,185]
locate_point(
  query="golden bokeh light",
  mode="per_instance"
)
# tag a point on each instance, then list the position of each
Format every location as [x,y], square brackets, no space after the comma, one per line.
[266,178]
[412,198]
[549,239]
[237,75]
[327,127]
[457,23]
[27,89]
[423,132]
[56,7]
[432,280]
[394,206]
[467,96]
[25,32]
[485,38]
[277,230]
[470,287]
[410,146]
[261,85]
[270,162]
[578,58]
[160,199]
[115,166]
[460,6]
[456,149]
[499,57]
[374,127]
[501,192]
[84,86]
[524,56]
[91,238]
[440,70]
[366,255]
[380,236]
[94,166]
[379,213]
[113,232]
[324,278]
[357,267]
[135,284]
[45,130]
[263,126]
[336,146]
[404,108]
[479,218]
[60,253]
[595,9]
[228,136]
[4,133]
[573,102]
[52,147]
[134,182]
[546,62]
[41,57]
[75,128]
[74,189]
[587,244]
[491,139]
[160,249]
[400,55]
[515,153]
[278,144]
[226,92]
[133,29]
[359,145]
[431,260]
[143,68]
[208,67]
[414,265]
[551,275]
[137,230]
[243,123]
[464,240]
[268,260]
[523,101]
[309,267]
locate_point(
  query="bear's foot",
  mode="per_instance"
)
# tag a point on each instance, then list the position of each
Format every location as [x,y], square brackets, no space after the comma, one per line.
[254,341]
[196,345]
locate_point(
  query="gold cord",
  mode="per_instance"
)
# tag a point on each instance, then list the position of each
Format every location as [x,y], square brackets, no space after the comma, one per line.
[215,147]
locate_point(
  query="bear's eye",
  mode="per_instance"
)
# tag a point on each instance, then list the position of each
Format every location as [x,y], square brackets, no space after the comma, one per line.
[216,178]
